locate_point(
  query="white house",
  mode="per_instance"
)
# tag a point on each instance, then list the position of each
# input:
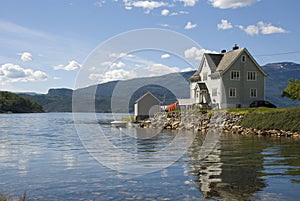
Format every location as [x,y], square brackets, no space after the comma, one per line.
[226,80]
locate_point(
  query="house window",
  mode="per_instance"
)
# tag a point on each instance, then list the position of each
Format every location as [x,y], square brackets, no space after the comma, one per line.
[251,76]
[235,75]
[253,93]
[243,59]
[214,92]
[232,92]
[204,76]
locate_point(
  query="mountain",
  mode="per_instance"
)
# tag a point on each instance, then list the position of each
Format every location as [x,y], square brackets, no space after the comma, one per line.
[277,80]
[13,103]
[60,100]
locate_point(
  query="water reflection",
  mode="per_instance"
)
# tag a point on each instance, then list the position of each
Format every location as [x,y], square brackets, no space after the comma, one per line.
[231,171]
[247,168]
[42,155]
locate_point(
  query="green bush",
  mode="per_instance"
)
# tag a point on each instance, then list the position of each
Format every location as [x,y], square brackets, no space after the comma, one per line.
[267,119]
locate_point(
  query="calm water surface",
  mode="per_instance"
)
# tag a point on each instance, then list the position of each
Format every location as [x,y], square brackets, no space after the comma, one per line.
[42,154]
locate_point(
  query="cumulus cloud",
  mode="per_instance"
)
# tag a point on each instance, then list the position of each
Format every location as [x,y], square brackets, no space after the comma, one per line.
[251,30]
[109,64]
[116,74]
[187,69]
[269,28]
[190,25]
[225,4]
[165,56]
[188,2]
[165,12]
[147,5]
[118,55]
[262,28]
[25,56]
[224,25]
[196,53]
[15,73]
[160,69]
[72,65]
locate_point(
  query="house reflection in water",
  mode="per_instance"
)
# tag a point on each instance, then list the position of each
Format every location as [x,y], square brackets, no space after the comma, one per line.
[230,172]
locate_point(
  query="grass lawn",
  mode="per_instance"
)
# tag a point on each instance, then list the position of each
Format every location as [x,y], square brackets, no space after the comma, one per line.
[270,118]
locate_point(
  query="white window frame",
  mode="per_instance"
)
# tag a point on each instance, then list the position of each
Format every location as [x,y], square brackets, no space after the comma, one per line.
[251,92]
[232,92]
[235,75]
[250,74]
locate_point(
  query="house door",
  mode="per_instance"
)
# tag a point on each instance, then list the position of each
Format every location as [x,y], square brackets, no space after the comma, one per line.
[203,96]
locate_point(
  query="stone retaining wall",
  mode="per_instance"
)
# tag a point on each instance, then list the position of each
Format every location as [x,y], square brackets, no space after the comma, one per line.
[198,121]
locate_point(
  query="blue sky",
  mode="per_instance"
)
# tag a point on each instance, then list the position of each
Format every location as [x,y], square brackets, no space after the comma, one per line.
[45,44]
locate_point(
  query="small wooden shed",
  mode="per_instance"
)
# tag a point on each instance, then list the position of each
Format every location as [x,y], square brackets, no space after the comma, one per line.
[146,106]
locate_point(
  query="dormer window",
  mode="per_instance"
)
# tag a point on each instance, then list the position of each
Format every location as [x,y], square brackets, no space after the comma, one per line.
[243,58]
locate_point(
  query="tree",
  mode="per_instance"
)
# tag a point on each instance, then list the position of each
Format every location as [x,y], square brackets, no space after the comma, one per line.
[292,91]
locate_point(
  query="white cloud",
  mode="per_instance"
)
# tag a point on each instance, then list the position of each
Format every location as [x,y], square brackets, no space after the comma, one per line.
[187,69]
[26,56]
[118,55]
[148,5]
[164,25]
[189,25]
[224,25]
[119,64]
[165,12]
[189,2]
[252,30]
[15,73]
[262,28]
[225,4]
[160,69]
[165,56]
[196,53]
[72,65]
[269,28]
[179,13]
[117,74]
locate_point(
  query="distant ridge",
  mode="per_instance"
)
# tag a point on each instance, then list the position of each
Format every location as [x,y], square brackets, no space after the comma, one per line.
[60,100]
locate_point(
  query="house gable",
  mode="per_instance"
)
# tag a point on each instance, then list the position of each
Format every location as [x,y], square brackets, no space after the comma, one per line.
[231,57]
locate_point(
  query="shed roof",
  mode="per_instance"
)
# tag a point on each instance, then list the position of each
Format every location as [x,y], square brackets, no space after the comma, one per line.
[146,94]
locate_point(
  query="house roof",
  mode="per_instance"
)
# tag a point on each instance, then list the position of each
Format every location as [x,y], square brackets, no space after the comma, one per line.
[221,62]
[213,60]
[228,59]
[195,77]
[148,93]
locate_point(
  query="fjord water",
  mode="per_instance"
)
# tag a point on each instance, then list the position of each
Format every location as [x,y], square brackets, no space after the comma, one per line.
[42,155]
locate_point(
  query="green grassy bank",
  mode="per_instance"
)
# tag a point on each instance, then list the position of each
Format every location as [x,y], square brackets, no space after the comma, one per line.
[287,119]
[4,197]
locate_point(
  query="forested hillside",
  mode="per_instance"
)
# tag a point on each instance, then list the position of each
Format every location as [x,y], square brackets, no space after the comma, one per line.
[12,103]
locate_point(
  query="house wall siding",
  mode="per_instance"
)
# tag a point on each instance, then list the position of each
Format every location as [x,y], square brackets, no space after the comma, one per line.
[242,85]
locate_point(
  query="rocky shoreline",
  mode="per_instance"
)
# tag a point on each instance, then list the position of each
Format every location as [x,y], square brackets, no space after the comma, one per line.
[201,122]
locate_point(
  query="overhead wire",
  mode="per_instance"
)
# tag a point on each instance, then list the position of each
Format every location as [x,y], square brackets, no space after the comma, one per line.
[276,54]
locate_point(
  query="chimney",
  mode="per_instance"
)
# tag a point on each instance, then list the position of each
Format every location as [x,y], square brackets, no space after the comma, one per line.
[223,51]
[235,47]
